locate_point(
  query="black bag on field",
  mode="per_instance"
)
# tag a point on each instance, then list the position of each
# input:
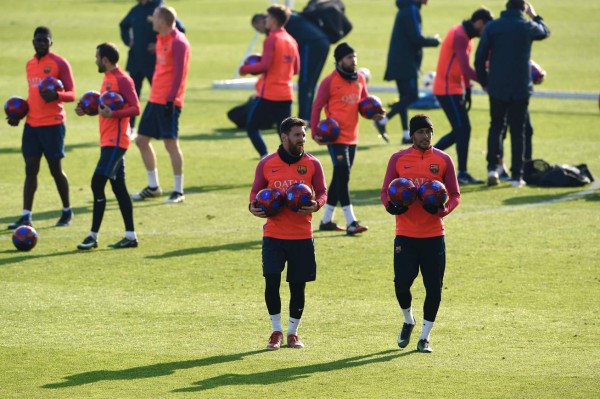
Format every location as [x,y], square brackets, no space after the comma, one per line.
[239,115]
[330,16]
[538,172]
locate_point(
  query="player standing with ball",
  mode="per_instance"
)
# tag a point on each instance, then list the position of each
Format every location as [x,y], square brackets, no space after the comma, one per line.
[288,236]
[419,242]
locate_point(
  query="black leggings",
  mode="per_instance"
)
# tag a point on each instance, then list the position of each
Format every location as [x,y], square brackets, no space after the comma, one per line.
[120,190]
[273,300]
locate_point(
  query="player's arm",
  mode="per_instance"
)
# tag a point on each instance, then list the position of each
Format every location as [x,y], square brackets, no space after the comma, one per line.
[65,74]
[259,183]
[127,90]
[450,181]
[481,57]
[320,102]
[320,189]
[125,27]
[265,61]
[460,49]
[180,54]
[413,28]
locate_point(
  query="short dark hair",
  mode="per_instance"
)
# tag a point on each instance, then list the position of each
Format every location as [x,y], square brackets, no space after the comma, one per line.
[280,12]
[42,30]
[258,17]
[518,4]
[482,13]
[289,123]
[109,51]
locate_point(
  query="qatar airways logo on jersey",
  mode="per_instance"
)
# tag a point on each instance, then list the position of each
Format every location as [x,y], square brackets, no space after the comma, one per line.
[419,181]
[34,81]
[282,185]
[351,98]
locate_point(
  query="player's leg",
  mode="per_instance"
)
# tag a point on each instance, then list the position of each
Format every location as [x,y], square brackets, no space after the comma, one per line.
[259,110]
[344,166]
[528,137]
[169,133]
[313,59]
[461,130]
[273,262]
[409,93]
[494,142]
[406,269]
[119,187]
[327,223]
[432,255]
[149,129]
[302,268]
[516,118]
[53,142]
[98,184]
[449,110]
[280,110]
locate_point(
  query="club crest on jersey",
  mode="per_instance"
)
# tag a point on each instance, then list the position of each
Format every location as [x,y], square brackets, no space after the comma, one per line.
[434,168]
[302,169]
[47,70]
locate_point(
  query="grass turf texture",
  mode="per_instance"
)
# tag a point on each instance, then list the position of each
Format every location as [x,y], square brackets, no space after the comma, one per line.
[183,315]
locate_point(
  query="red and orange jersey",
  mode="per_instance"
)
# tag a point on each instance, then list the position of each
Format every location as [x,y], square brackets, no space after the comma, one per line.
[172,62]
[114,131]
[422,166]
[279,63]
[273,172]
[42,113]
[453,72]
[340,98]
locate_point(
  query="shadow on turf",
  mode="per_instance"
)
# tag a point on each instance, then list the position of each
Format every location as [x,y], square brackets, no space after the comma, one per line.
[236,246]
[44,216]
[280,375]
[151,371]
[68,148]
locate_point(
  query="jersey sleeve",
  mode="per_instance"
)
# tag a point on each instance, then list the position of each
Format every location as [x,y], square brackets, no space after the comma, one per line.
[460,45]
[127,90]
[390,174]
[266,58]
[319,185]
[260,180]
[179,55]
[65,74]
[451,183]
[319,104]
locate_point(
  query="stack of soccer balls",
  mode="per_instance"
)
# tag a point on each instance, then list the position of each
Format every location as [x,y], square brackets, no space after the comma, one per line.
[272,201]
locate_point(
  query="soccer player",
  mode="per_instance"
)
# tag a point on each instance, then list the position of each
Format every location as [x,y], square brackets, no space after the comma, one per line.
[419,242]
[45,129]
[313,47]
[138,35]
[160,119]
[452,87]
[287,236]
[274,90]
[114,142]
[507,42]
[404,60]
[339,94]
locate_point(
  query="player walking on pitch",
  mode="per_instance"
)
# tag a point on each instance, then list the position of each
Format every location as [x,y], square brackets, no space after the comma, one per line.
[160,119]
[44,131]
[287,236]
[114,142]
[419,242]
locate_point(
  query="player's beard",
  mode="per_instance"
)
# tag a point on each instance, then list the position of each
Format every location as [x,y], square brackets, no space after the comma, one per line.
[297,149]
[349,68]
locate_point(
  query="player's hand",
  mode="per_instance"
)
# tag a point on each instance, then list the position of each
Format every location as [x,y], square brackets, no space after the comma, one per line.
[433,209]
[468,99]
[104,111]
[12,121]
[258,212]
[529,10]
[169,109]
[313,207]
[318,139]
[49,95]
[394,209]
[79,110]
[381,116]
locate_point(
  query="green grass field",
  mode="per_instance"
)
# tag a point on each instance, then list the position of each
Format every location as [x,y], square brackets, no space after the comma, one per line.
[183,315]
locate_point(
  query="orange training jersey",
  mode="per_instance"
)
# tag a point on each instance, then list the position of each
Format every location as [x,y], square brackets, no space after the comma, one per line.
[170,73]
[453,72]
[42,113]
[114,131]
[421,166]
[340,98]
[273,172]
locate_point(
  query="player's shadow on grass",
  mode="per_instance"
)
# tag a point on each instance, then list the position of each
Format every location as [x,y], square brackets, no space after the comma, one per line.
[279,375]
[154,370]
[28,256]
[236,246]
[540,198]
[39,216]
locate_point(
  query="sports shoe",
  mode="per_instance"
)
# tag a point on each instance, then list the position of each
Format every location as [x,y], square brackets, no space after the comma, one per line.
[24,220]
[294,342]
[88,243]
[518,183]
[65,218]
[125,243]
[464,178]
[423,346]
[175,198]
[493,179]
[404,337]
[275,341]
[380,126]
[355,228]
[330,226]
[502,173]
[147,193]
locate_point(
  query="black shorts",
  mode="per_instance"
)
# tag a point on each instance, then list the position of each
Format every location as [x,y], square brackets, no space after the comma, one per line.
[262,110]
[47,140]
[155,124]
[111,163]
[299,255]
[426,254]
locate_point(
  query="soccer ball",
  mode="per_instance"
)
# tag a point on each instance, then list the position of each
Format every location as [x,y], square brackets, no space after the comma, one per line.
[428,79]
[112,100]
[366,73]
[89,102]
[270,200]
[402,191]
[16,107]
[329,130]
[433,192]
[369,106]
[253,59]
[298,195]
[24,238]
[537,73]
[51,84]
